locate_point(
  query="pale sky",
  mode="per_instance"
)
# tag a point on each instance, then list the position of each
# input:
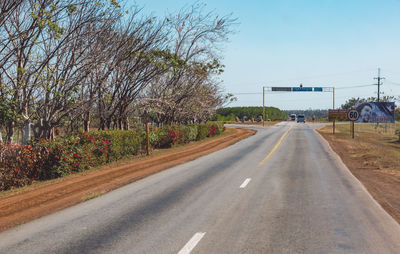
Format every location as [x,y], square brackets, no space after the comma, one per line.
[329,43]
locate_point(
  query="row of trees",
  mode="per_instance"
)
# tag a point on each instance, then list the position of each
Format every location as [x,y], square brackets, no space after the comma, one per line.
[64,62]
[247,113]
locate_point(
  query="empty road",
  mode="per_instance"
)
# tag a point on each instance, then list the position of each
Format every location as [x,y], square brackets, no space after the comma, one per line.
[280,191]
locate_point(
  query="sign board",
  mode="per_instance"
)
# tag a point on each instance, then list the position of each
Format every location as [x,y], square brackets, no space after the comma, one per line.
[375,112]
[302,89]
[337,114]
[281,89]
[353,115]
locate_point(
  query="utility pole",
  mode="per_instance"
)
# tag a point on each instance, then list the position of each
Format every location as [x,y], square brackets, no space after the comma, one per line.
[263,116]
[379,81]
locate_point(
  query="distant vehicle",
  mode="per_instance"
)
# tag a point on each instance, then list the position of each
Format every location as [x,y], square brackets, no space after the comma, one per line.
[301,119]
[293,117]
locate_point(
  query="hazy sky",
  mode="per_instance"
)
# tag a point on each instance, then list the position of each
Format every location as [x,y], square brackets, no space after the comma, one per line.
[338,43]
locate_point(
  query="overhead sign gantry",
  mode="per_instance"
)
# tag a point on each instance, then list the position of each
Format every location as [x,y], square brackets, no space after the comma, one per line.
[299,89]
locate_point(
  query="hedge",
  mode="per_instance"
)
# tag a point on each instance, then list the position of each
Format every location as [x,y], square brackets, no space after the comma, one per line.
[20,165]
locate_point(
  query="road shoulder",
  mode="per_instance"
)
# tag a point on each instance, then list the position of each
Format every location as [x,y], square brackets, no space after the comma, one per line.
[381,185]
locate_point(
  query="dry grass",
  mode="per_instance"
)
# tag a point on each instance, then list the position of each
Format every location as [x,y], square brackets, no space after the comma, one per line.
[376,145]
[373,156]
[93,195]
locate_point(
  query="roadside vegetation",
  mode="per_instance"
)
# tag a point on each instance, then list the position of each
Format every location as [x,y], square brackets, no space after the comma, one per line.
[373,156]
[68,65]
[78,78]
[48,159]
[254,114]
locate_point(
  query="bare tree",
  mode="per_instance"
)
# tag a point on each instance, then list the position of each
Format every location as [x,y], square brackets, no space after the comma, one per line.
[195,42]
[36,53]
[7,7]
[63,60]
[139,49]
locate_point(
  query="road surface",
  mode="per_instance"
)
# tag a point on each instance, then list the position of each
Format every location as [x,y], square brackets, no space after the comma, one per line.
[280,191]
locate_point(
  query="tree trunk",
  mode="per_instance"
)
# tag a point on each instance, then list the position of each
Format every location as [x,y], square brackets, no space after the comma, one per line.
[45,129]
[125,123]
[108,123]
[86,122]
[119,123]
[10,132]
[52,134]
[27,133]
[102,124]
[71,126]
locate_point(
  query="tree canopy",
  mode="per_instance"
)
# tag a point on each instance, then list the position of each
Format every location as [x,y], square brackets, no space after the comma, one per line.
[244,113]
[66,62]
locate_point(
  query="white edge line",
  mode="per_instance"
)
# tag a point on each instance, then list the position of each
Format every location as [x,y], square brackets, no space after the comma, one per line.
[347,171]
[189,246]
[244,184]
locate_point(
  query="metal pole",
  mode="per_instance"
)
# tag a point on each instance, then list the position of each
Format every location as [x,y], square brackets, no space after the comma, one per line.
[263,106]
[147,136]
[333,104]
[352,127]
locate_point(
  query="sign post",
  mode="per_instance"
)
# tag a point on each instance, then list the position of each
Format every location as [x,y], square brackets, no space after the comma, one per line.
[333,99]
[263,116]
[147,136]
[353,116]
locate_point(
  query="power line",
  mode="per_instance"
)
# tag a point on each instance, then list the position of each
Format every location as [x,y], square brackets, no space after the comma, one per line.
[350,87]
[340,88]
[393,83]
[322,75]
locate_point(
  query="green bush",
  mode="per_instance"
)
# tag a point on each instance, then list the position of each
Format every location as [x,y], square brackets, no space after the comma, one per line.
[22,164]
[120,143]
[203,132]
[192,131]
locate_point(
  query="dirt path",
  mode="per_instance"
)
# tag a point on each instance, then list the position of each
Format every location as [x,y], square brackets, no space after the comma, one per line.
[42,200]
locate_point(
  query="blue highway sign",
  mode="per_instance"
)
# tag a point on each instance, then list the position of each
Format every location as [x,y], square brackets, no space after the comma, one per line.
[302,89]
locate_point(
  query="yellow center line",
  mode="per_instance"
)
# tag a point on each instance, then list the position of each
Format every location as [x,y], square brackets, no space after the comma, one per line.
[276,146]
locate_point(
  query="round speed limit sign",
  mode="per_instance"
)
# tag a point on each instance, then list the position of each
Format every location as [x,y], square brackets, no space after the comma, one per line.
[353,115]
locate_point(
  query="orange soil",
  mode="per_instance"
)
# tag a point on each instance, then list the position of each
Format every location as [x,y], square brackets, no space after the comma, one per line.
[42,200]
[380,181]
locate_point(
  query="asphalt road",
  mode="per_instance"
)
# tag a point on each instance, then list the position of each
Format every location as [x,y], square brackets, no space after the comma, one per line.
[243,199]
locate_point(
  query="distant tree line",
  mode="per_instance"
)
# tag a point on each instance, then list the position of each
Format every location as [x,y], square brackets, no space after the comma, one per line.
[310,113]
[64,63]
[247,113]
